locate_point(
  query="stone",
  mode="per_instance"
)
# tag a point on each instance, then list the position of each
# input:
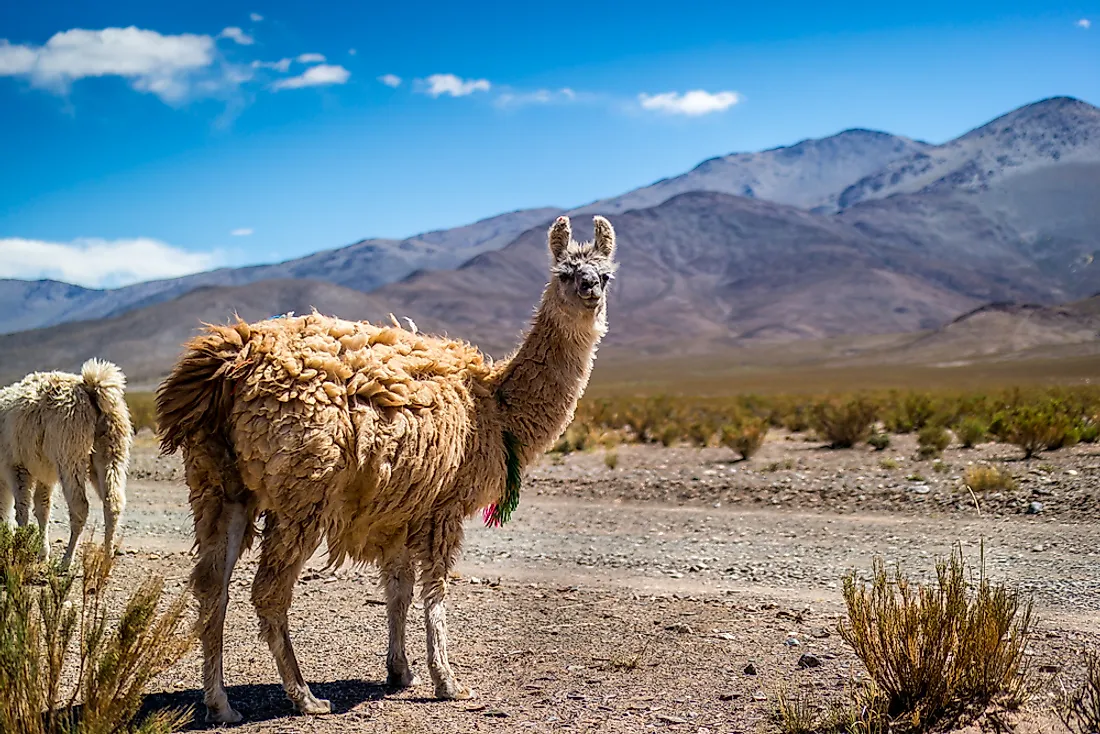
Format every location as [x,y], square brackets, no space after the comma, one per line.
[809,661]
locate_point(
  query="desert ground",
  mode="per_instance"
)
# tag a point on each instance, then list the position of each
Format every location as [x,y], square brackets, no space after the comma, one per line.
[677,591]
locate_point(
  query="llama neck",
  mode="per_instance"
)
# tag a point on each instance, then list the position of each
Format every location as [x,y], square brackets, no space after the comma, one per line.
[540,385]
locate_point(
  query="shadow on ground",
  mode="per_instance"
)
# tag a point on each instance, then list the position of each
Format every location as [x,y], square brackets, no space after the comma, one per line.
[265,702]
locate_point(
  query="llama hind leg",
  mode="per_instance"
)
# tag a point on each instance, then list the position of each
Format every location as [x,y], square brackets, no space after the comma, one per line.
[73,485]
[286,547]
[436,564]
[22,492]
[397,578]
[109,484]
[220,531]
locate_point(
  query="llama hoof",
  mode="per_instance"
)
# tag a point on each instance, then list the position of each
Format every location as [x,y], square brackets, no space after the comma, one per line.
[226,715]
[454,692]
[404,679]
[314,706]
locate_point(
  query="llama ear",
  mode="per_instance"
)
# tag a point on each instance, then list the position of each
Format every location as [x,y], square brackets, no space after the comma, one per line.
[559,237]
[605,236]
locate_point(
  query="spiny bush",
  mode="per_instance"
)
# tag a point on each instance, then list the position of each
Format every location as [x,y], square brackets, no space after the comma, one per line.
[938,652]
[909,412]
[44,632]
[932,440]
[746,438]
[987,478]
[1079,709]
[971,432]
[1033,428]
[844,423]
[879,441]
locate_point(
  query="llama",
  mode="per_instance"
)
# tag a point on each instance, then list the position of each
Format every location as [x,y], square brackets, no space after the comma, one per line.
[379,441]
[57,426]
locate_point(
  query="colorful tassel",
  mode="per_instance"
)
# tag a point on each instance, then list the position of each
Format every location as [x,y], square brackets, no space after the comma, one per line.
[498,513]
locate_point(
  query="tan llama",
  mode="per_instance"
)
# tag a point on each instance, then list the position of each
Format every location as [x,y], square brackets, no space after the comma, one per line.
[378,441]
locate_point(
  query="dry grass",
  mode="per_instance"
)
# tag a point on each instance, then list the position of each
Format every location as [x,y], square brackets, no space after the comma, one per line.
[611,459]
[47,635]
[988,478]
[932,441]
[845,423]
[1079,709]
[941,652]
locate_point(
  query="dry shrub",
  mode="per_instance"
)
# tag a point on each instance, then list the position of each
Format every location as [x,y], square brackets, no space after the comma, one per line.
[987,478]
[795,714]
[844,423]
[611,459]
[44,632]
[746,438]
[937,653]
[1079,709]
[143,410]
[879,441]
[932,440]
[1034,429]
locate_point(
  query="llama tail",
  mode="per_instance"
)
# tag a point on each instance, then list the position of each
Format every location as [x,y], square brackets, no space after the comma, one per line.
[106,384]
[197,395]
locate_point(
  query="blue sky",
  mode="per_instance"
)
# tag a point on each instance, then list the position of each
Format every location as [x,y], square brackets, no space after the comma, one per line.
[142,139]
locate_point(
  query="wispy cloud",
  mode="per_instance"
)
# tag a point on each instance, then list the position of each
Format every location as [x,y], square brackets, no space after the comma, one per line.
[255,17]
[311,59]
[315,76]
[694,103]
[390,80]
[167,66]
[282,65]
[236,35]
[352,52]
[1084,23]
[99,263]
[241,232]
[440,84]
[539,96]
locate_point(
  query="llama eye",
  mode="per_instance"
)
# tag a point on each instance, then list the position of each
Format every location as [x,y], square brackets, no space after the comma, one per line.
[565,276]
[605,277]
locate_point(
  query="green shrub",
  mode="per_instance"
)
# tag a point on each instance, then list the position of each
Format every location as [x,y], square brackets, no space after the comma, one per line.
[971,432]
[932,440]
[843,424]
[746,438]
[143,410]
[46,635]
[879,441]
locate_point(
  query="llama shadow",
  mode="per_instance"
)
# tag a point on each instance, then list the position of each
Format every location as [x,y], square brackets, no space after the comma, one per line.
[264,702]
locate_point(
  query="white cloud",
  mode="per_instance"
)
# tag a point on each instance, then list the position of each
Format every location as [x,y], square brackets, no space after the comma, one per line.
[539,96]
[693,103]
[235,34]
[438,84]
[390,80]
[163,65]
[255,17]
[1084,23]
[98,263]
[282,65]
[311,59]
[315,76]
[241,232]
[352,52]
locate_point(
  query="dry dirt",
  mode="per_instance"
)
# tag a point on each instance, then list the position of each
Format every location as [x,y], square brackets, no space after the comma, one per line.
[634,598]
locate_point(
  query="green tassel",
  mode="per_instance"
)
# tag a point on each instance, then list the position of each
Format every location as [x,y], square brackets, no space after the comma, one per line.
[500,512]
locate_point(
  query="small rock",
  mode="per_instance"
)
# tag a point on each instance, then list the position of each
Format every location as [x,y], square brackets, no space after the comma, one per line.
[820,633]
[759,696]
[920,489]
[1038,548]
[1035,508]
[1048,668]
[671,719]
[809,661]
[750,669]
[680,627]
[792,642]
[1072,472]
[728,696]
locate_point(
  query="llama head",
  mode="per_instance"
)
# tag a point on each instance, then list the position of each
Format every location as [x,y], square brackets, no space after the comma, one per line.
[582,271]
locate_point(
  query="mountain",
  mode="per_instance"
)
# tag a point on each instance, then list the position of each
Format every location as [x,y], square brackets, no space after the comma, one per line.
[1054,131]
[364,266]
[699,273]
[809,174]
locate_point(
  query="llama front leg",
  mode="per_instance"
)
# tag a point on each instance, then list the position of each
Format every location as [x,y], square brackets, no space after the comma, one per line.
[447,537]
[397,578]
[286,547]
[43,499]
[22,488]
